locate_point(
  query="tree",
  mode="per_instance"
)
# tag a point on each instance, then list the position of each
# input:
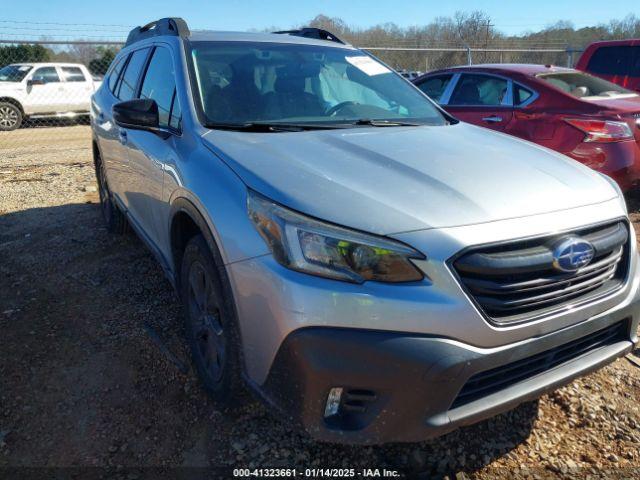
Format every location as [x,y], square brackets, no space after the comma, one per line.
[333,25]
[100,65]
[23,53]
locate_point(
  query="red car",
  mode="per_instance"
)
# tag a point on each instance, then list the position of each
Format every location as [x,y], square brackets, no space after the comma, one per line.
[617,61]
[585,117]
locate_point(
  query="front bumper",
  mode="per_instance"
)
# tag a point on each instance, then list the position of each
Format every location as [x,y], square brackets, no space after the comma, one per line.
[403,386]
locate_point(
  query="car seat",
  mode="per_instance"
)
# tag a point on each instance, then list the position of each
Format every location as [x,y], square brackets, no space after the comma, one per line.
[289,98]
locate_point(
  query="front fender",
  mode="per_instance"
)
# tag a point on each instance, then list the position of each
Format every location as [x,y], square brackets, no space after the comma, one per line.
[216,200]
[11,97]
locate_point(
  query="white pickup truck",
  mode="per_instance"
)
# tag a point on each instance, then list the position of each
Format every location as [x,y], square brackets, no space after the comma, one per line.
[34,90]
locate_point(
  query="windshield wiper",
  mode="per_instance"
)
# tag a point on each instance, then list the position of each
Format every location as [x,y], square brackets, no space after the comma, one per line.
[385,123]
[270,127]
[252,127]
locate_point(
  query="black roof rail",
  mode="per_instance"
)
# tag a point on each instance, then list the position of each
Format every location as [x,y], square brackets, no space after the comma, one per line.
[164,26]
[309,32]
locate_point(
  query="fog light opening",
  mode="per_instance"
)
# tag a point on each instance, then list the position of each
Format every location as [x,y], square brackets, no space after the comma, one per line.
[334,398]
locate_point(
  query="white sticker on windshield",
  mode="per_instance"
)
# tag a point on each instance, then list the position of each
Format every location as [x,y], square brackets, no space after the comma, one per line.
[23,68]
[368,65]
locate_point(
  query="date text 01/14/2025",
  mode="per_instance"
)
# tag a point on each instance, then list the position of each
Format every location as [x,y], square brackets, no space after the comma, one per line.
[316,473]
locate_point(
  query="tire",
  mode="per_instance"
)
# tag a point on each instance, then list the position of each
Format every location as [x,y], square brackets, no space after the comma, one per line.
[114,219]
[210,325]
[10,117]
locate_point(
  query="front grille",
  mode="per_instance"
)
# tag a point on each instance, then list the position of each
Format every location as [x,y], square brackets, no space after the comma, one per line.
[517,281]
[492,381]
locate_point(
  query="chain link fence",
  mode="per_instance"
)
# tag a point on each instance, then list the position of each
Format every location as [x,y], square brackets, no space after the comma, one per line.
[45,93]
[427,59]
[48,84]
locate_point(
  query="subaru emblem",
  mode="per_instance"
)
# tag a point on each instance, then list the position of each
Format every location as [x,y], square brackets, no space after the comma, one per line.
[572,254]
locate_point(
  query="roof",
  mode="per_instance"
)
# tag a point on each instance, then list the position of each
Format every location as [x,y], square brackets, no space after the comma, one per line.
[522,68]
[177,27]
[49,64]
[215,36]
[616,43]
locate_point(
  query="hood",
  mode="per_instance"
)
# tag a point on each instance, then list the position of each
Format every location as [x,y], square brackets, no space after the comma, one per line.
[395,179]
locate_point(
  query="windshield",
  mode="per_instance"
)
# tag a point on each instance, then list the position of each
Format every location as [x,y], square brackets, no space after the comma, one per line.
[14,73]
[582,85]
[242,83]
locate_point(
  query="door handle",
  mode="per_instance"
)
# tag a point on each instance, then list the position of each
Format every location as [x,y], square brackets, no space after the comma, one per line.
[492,119]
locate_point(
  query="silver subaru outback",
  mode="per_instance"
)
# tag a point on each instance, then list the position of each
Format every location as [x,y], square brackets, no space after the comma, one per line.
[371,267]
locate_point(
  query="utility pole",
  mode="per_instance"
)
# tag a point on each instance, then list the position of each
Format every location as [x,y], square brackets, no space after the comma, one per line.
[486,40]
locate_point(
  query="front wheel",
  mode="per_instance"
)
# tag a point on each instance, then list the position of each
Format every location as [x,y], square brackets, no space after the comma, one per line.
[10,117]
[114,219]
[210,324]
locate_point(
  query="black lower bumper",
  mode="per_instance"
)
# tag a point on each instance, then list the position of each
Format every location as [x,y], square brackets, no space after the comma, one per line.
[402,388]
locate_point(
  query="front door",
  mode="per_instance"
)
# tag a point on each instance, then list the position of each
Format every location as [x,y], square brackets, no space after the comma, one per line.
[45,92]
[483,100]
[149,152]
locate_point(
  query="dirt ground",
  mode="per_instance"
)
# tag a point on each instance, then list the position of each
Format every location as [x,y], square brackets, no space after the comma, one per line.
[83,383]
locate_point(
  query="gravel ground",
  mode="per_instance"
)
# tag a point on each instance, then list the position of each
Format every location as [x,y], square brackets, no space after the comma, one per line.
[82,383]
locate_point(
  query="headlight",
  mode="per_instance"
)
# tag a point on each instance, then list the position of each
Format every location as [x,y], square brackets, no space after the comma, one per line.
[312,246]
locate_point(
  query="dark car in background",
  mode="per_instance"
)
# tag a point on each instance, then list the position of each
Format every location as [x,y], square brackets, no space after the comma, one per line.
[585,117]
[617,61]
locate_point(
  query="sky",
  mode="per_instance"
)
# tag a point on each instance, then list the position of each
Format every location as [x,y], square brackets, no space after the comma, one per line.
[110,19]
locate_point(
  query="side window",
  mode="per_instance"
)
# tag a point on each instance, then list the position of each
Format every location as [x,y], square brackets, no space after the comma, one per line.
[115,73]
[175,119]
[159,83]
[46,75]
[129,80]
[521,94]
[615,61]
[434,87]
[479,90]
[73,74]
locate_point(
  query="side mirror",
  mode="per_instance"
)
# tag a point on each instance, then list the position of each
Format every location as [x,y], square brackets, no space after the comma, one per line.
[35,81]
[139,114]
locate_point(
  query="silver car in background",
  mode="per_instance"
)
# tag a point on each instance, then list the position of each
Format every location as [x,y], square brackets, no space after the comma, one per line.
[372,268]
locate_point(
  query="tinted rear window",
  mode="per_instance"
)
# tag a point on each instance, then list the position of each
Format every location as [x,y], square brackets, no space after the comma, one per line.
[115,73]
[623,60]
[521,94]
[73,74]
[129,82]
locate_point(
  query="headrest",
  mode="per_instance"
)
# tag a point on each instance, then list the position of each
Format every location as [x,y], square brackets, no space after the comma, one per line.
[291,78]
[580,92]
